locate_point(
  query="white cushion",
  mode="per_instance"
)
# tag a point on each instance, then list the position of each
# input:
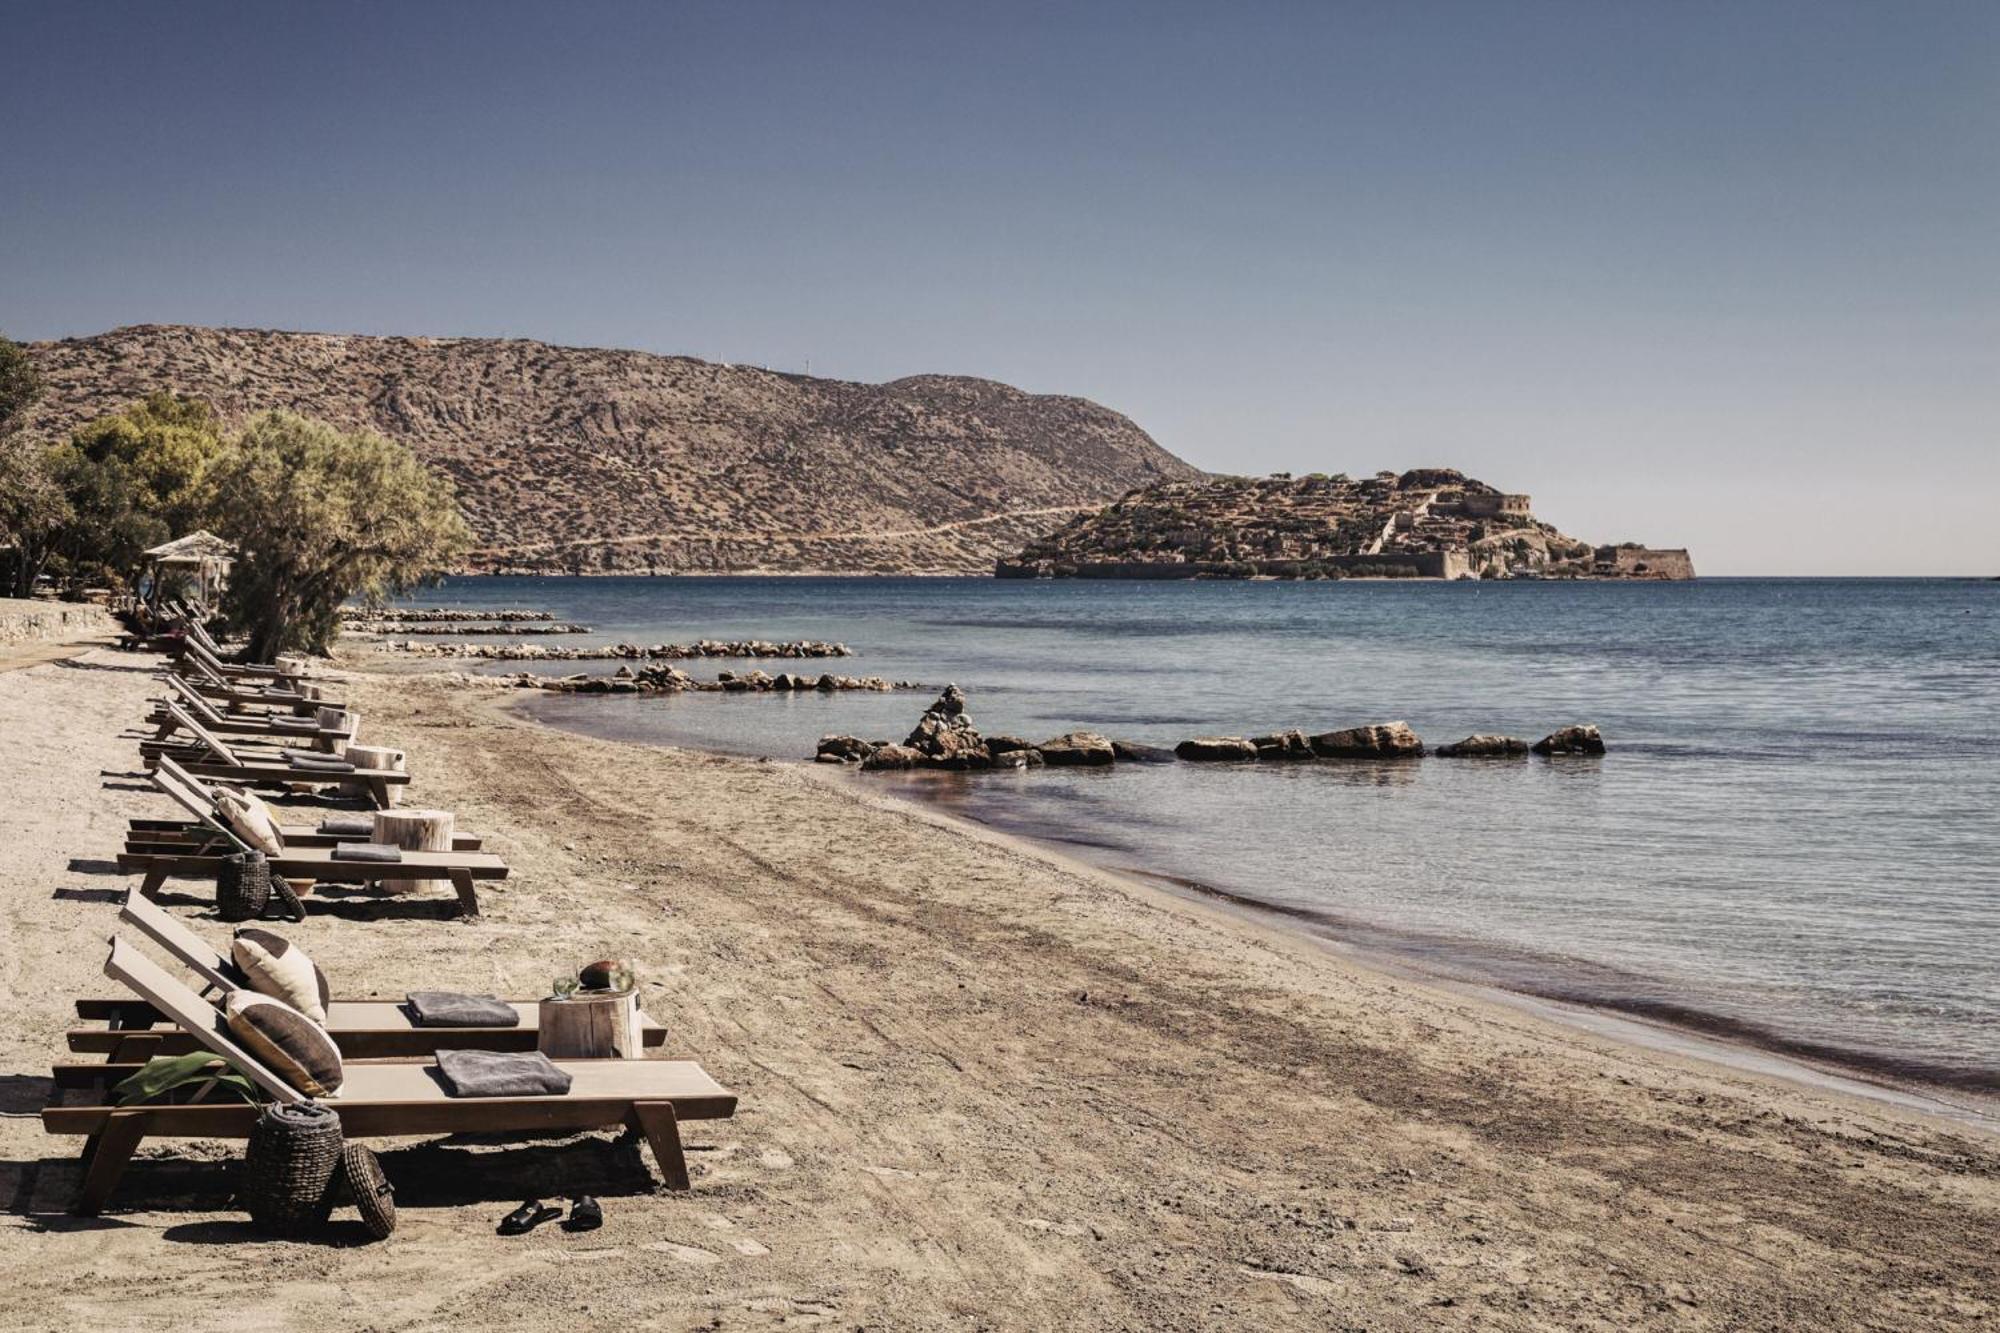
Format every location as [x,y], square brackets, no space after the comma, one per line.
[276,967]
[246,813]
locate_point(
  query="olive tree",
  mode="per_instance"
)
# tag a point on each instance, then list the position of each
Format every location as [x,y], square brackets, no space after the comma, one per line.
[321,515]
[133,480]
[20,385]
[32,505]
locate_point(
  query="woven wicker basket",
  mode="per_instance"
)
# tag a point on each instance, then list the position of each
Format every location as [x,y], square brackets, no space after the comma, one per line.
[360,1181]
[243,886]
[288,1168]
[285,900]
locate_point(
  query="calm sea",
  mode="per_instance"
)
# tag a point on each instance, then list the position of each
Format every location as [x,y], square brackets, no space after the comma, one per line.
[1795,837]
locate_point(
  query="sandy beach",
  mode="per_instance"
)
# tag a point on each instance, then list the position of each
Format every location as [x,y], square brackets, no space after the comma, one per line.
[981,1088]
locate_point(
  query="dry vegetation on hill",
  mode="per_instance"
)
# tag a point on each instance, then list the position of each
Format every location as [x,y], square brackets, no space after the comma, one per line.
[596,459]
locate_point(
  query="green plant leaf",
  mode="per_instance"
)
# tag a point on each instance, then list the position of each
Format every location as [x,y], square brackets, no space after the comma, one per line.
[165,1073]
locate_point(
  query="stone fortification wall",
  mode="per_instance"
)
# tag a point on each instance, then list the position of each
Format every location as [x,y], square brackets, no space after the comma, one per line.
[1645,562]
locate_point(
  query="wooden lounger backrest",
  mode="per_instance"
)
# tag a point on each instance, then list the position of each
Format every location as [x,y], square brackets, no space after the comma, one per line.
[194,699]
[193,657]
[195,1016]
[195,798]
[202,734]
[166,930]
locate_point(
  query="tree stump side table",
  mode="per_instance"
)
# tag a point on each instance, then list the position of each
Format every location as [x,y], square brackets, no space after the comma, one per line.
[591,1025]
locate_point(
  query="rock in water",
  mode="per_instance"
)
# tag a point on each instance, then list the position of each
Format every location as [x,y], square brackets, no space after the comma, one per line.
[1571,740]
[999,745]
[1283,745]
[1132,752]
[1207,749]
[843,750]
[890,756]
[1384,740]
[1077,749]
[945,737]
[1483,746]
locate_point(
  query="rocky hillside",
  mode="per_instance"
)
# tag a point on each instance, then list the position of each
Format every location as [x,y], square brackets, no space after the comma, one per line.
[588,459]
[1428,523]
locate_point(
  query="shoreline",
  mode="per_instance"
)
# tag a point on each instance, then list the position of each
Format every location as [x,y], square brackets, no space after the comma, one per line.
[980,1084]
[1970,1101]
[1688,1031]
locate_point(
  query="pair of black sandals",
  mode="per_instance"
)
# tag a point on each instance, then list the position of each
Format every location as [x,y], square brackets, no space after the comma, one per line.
[584,1215]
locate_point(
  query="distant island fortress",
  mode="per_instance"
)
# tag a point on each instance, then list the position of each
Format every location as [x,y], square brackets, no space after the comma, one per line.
[1432,523]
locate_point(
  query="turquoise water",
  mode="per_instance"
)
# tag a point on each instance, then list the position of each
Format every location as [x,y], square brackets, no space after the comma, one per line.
[1795,837]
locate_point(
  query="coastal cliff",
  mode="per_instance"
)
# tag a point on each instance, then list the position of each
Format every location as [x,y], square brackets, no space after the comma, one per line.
[597,460]
[1425,523]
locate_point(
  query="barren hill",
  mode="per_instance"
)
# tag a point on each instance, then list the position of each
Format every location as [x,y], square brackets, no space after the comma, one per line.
[595,459]
[1426,523]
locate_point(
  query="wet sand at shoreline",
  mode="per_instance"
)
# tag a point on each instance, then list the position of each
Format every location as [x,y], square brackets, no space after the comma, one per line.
[981,1087]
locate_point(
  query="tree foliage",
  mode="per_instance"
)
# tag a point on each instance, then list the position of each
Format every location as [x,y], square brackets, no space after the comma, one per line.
[134,479]
[20,385]
[32,504]
[320,516]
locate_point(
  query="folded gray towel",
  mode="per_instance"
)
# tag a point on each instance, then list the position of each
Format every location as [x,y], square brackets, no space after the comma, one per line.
[501,1074]
[347,826]
[295,724]
[367,851]
[324,763]
[447,1009]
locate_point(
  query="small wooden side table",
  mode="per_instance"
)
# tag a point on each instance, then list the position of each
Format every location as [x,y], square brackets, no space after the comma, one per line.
[591,1025]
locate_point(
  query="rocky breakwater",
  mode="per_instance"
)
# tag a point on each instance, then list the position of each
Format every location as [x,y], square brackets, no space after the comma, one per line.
[1382,740]
[797,649]
[673,680]
[945,738]
[351,615]
[492,628]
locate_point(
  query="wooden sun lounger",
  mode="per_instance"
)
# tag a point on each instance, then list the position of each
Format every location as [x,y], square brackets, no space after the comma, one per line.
[649,1097]
[264,725]
[221,761]
[362,1029]
[244,692]
[173,834]
[208,822]
[300,865]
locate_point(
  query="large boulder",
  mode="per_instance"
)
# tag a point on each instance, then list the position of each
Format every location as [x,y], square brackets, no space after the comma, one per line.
[1077,749]
[890,756]
[999,745]
[945,737]
[1209,749]
[1383,740]
[1571,740]
[1132,752]
[1483,746]
[1283,745]
[843,750]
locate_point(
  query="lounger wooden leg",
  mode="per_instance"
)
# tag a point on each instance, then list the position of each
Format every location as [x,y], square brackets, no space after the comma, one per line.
[105,1156]
[468,897]
[378,790]
[149,888]
[662,1128]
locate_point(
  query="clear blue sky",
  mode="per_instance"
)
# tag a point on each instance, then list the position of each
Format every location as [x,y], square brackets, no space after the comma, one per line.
[1721,274]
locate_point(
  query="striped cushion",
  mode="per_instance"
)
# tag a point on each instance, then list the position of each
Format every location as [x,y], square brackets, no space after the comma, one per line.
[296,1048]
[276,967]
